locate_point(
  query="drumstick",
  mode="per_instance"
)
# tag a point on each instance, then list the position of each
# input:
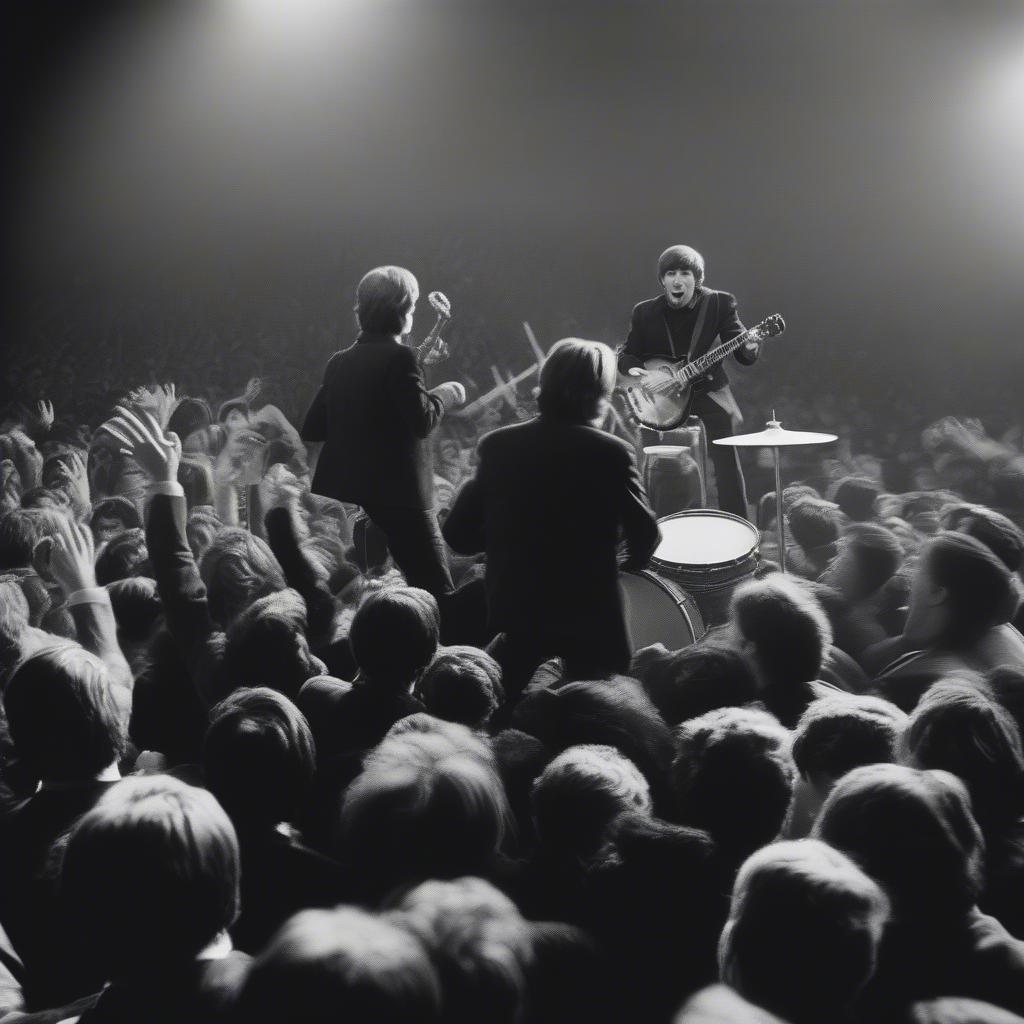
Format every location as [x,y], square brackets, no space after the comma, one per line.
[532,339]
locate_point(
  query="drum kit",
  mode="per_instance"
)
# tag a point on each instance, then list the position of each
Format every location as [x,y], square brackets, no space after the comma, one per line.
[703,556]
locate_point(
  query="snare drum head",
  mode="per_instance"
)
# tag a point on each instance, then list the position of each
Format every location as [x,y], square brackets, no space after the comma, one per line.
[705,538]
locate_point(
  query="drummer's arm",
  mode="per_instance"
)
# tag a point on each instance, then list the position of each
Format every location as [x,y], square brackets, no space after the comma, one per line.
[730,326]
[639,524]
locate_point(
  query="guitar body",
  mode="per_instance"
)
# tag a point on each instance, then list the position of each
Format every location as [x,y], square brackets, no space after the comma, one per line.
[663,408]
[661,400]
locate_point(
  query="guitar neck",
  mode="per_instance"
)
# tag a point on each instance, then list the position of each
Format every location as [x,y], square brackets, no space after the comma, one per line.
[698,367]
[425,345]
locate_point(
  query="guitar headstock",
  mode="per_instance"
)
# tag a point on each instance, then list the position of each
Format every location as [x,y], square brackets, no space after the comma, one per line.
[770,327]
[440,304]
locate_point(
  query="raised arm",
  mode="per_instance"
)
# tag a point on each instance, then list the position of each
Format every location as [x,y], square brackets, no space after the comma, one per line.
[421,409]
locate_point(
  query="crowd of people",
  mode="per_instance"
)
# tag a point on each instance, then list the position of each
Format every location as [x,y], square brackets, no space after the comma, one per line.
[249,773]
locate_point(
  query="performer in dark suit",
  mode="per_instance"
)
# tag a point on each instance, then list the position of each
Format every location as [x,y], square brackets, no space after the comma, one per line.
[548,504]
[374,414]
[683,323]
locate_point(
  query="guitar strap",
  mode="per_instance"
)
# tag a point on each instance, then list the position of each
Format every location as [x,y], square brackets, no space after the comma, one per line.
[698,329]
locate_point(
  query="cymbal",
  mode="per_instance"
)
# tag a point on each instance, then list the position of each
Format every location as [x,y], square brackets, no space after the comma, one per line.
[776,436]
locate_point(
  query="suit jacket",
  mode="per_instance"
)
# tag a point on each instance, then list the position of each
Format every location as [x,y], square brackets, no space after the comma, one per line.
[649,334]
[374,413]
[548,504]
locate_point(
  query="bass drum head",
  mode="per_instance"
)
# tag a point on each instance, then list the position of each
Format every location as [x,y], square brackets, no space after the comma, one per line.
[703,538]
[658,611]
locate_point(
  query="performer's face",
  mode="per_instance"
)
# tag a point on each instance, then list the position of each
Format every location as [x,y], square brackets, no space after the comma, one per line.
[679,287]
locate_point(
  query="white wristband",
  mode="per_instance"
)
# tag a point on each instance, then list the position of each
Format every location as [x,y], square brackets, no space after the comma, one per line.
[89,595]
[169,487]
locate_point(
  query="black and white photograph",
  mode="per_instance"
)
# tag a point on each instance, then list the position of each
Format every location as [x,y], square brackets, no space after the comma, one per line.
[512,512]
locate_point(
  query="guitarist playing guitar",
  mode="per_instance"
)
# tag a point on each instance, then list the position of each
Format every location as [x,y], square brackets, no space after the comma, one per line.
[680,326]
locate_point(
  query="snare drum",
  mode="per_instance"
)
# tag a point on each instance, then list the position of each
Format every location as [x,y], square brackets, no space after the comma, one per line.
[709,553]
[658,610]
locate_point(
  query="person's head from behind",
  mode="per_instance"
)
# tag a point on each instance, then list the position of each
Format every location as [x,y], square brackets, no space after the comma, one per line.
[259,758]
[386,300]
[1001,535]
[63,716]
[960,591]
[124,555]
[1006,684]
[479,942]
[576,381]
[856,497]
[462,684]
[428,804]
[580,795]
[680,274]
[803,930]
[394,636]
[834,736]
[958,728]
[201,527]
[19,533]
[913,832]
[783,629]
[137,608]
[733,776]
[869,554]
[267,646]
[689,682]
[112,516]
[237,569]
[611,712]
[150,874]
[814,524]
[325,966]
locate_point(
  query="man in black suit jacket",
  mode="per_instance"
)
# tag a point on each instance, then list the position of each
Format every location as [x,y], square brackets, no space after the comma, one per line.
[549,501]
[684,322]
[374,414]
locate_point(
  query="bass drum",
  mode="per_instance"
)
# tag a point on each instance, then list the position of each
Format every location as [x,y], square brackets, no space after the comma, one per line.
[658,610]
[709,553]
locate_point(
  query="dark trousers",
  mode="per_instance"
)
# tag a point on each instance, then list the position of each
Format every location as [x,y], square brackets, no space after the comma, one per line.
[732,491]
[415,541]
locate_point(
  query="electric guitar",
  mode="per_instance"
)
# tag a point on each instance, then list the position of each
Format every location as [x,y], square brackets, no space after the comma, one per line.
[662,398]
[432,349]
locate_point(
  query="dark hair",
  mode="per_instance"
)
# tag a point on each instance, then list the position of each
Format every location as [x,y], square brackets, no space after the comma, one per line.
[1006,684]
[427,805]
[697,679]
[325,966]
[18,536]
[237,569]
[259,757]
[151,873]
[959,729]
[196,479]
[803,931]
[814,525]
[615,712]
[856,497]
[190,415]
[384,298]
[394,634]
[123,556]
[1000,534]
[63,716]
[117,507]
[837,734]
[787,626]
[581,793]
[981,591]
[137,607]
[576,378]
[462,684]
[733,775]
[877,552]
[201,528]
[913,832]
[681,257]
[266,645]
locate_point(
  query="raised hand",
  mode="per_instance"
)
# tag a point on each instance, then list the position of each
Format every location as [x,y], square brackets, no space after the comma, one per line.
[72,556]
[44,414]
[73,479]
[142,438]
[238,461]
[280,488]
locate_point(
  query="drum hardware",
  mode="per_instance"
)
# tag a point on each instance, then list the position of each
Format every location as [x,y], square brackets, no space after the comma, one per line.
[775,436]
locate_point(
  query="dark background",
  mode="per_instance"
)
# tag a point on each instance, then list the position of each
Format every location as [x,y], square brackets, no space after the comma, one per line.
[197,186]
